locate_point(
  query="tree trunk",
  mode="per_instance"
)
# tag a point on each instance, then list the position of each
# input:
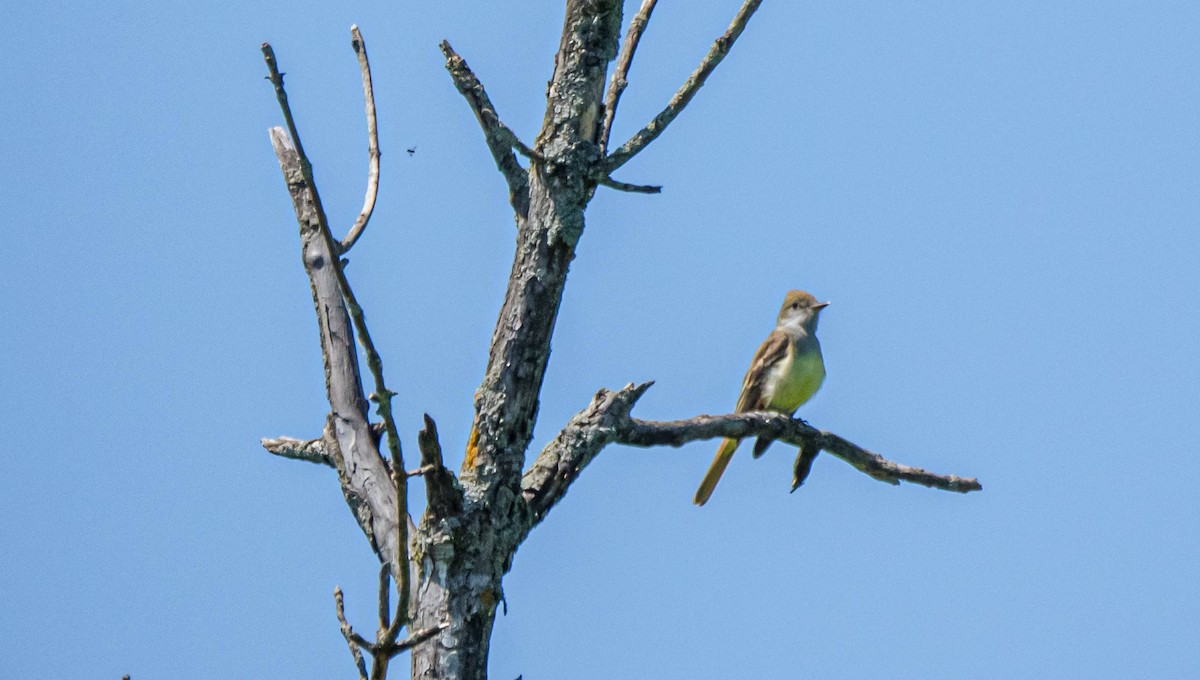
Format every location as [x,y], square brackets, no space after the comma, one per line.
[462,559]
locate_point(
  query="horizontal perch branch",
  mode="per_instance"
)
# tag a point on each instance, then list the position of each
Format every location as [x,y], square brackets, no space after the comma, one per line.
[791,431]
[607,420]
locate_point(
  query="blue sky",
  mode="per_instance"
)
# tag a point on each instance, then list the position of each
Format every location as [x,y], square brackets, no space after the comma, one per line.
[1000,199]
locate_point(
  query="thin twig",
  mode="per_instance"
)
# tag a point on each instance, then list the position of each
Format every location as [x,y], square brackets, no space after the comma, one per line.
[353,640]
[515,142]
[685,93]
[360,48]
[423,470]
[385,590]
[306,171]
[619,81]
[500,139]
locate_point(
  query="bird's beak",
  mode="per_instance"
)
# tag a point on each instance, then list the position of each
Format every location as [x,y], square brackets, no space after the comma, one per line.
[820,305]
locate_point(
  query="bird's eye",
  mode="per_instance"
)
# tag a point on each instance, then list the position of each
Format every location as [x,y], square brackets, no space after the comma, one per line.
[795,305]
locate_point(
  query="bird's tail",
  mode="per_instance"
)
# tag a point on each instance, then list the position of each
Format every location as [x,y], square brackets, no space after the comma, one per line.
[724,454]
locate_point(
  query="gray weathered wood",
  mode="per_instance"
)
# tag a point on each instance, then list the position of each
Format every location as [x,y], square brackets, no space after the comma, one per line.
[607,420]
[463,559]
[349,441]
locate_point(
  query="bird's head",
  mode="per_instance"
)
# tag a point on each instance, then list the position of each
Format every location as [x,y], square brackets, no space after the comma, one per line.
[801,310]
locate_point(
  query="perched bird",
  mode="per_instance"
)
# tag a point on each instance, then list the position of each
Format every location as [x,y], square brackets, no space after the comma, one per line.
[786,371]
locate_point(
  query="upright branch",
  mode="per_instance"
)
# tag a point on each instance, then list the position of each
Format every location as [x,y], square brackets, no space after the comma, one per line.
[500,139]
[464,558]
[349,440]
[366,481]
[637,26]
[507,401]
[693,84]
[315,211]
[441,489]
[354,641]
[360,48]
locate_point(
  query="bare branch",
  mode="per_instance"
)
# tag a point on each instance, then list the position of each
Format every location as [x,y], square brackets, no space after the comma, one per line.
[506,403]
[441,488]
[403,569]
[607,420]
[559,464]
[515,142]
[632,188]
[617,85]
[276,78]
[417,638]
[350,440]
[421,471]
[353,640]
[385,590]
[360,48]
[383,399]
[312,451]
[499,138]
[684,95]
[793,431]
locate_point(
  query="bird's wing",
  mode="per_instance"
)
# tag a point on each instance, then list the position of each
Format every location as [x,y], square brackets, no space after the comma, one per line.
[773,350]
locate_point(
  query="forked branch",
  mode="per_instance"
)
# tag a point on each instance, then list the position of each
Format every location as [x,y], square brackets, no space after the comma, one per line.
[377,494]
[361,468]
[685,93]
[385,647]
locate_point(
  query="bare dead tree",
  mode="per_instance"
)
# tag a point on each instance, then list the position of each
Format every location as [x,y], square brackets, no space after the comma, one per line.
[449,569]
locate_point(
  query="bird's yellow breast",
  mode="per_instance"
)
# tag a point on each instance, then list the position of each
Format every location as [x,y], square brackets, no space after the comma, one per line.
[796,379]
